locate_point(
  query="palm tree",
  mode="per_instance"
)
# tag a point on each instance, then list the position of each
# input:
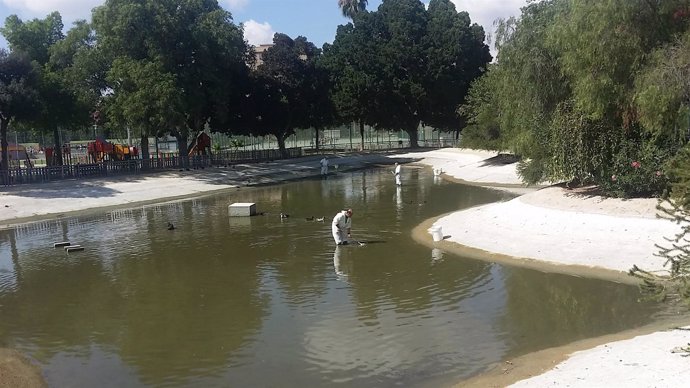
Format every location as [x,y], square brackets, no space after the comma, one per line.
[352,7]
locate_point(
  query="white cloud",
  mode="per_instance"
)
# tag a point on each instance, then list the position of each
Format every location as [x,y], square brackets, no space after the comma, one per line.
[235,5]
[485,12]
[258,33]
[69,9]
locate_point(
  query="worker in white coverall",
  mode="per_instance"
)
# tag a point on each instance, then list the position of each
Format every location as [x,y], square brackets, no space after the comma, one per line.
[324,166]
[396,172]
[341,226]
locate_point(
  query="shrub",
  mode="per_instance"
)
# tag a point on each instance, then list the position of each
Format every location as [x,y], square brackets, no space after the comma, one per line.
[637,170]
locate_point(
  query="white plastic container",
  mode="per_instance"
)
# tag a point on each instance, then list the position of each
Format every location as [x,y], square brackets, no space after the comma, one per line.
[436,233]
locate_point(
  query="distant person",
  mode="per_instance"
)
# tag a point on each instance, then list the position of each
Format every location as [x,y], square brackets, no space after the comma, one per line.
[341,227]
[324,166]
[396,172]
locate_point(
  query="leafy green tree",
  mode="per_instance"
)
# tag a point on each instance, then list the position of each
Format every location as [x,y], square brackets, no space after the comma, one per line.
[82,63]
[147,98]
[404,65]
[35,37]
[574,95]
[321,108]
[481,112]
[353,62]
[60,105]
[194,43]
[401,97]
[288,69]
[350,8]
[662,97]
[457,55]
[18,95]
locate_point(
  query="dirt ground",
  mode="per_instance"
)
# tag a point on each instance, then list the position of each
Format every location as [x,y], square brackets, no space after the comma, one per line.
[16,371]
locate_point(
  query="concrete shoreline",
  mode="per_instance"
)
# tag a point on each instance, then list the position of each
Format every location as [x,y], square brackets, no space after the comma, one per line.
[556,221]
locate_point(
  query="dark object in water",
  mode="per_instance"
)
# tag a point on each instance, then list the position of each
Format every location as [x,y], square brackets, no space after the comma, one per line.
[171,226]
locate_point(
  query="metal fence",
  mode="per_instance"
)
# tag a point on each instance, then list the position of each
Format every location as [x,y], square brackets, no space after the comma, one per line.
[16,176]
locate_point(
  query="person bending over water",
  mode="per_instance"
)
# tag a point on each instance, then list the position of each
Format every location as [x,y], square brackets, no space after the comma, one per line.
[341,227]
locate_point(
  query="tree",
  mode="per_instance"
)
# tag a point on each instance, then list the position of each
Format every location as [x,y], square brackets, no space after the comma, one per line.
[402,66]
[401,98]
[34,37]
[350,8]
[18,95]
[353,62]
[576,93]
[287,78]
[457,55]
[59,103]
[193,43]
[147,98]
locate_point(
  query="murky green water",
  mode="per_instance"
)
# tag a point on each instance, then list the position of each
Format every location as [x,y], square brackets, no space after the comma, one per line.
[263,302]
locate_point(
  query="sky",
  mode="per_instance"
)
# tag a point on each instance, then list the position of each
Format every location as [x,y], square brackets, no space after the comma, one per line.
[317,20]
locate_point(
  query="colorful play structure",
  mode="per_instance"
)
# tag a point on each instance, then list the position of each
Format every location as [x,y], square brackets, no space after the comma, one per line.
[103,150]
[201,145]
[16,154]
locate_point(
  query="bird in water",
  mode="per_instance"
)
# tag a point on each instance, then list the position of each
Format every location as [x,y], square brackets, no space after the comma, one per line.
[320,219]
[284,215]
[171,226]
[310,218]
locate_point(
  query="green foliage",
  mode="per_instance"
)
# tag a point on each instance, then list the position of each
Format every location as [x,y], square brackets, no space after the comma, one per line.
[582,89]
[193,48]
[679,174]
[351,8]
[404,64]
[292,89]
[457,55]
[638,169]
[34,37]
[19,81]
[480,112]
[662,95]
[674,285]
[147,98]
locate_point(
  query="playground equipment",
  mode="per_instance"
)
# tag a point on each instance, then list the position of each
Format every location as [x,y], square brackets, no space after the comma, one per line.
[51,156]
[101,150]
[16,153]
[201,145]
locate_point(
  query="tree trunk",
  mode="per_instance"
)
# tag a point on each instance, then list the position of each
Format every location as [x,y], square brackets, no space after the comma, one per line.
[316,135]
[182,149]
[281,146]
[5,161]
[361,132]
[144,147]
[57,151]
[414,136]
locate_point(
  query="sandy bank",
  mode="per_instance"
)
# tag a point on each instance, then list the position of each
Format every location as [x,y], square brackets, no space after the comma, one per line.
[572,232]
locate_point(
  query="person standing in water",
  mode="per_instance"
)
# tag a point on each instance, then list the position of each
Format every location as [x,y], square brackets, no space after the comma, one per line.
[396,172]
[324,166]
[341,227]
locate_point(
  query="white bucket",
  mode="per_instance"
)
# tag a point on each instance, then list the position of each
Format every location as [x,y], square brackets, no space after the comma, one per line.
[436,233]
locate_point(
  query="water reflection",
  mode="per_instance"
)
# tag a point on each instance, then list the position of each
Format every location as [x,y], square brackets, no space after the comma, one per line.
[265,301]
[337,264]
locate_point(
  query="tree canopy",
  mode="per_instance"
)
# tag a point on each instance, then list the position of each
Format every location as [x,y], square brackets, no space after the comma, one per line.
[403,65]
[586,92]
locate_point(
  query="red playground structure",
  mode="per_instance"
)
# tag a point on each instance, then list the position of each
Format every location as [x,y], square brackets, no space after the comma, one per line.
[201,145]
[103,150]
